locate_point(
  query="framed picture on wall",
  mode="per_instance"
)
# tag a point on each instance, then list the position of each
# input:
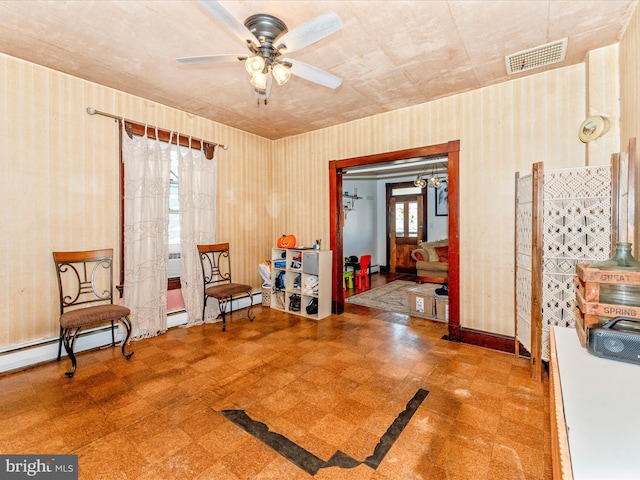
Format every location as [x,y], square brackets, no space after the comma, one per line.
[442,200]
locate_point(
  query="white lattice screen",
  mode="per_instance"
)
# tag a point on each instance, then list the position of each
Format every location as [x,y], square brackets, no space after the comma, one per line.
[576,229]
[523,260]
[577,223]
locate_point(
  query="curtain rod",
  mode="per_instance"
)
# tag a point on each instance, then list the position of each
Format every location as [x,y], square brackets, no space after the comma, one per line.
[93,111]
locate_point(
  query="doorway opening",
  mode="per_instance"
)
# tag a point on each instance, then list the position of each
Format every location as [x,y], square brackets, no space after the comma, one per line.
[337,168]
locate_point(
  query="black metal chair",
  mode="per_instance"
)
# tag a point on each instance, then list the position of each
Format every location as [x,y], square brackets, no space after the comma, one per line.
[85,284]
[216,272]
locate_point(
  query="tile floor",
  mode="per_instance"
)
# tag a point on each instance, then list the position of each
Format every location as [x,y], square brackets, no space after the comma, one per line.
[328,386]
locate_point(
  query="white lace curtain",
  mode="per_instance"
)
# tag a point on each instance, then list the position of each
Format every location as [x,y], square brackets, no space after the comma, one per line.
[146,251]
[197,194]
[147,166]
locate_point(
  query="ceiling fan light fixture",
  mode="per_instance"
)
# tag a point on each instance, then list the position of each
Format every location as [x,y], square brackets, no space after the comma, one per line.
[254,65]
[281,73]
[267,38]
[259,80]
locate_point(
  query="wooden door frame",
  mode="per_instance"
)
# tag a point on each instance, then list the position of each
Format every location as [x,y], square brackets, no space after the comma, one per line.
[336,169]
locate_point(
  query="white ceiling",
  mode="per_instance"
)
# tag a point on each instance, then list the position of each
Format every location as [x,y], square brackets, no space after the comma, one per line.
[390,54]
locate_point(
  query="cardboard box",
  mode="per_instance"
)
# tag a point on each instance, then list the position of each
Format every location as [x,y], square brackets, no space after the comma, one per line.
[422,301]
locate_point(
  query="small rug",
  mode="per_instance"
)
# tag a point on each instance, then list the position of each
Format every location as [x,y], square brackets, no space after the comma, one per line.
[393,296]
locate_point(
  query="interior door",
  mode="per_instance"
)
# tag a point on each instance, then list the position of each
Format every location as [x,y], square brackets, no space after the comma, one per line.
[406,228]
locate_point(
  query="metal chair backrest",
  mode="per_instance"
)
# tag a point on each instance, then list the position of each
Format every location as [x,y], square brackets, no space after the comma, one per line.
[84,278]
[216,263]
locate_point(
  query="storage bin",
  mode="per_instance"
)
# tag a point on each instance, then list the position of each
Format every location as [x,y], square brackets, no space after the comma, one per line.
[266,297]
[310,263]
[442,308]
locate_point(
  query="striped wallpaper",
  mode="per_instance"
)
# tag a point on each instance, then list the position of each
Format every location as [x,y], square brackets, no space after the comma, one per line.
[62,166]
[630,99]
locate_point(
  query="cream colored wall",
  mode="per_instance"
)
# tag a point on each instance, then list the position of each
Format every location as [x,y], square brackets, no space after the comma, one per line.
[502,129]
[603,93]
[630,98]
[60,167]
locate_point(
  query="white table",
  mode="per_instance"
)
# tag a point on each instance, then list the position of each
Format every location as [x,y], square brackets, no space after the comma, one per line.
[601,403]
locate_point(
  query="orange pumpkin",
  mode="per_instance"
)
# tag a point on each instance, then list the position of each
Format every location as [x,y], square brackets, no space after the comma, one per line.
[287,241]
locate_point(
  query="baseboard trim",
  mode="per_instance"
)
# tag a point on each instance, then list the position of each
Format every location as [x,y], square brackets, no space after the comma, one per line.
[493,341]
[29,355]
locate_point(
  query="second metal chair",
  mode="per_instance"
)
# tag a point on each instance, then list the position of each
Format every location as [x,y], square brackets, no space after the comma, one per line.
[216,272]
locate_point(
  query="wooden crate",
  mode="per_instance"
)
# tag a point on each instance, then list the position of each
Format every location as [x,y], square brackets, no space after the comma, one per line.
[588,295]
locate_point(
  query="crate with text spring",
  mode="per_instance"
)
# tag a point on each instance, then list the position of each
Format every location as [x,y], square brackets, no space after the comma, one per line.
[591,310]
[301,281]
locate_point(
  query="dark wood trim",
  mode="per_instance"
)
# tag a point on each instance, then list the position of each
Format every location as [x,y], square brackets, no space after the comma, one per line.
[427,151]
[615,203]
[335,234]
[493,341]
[336,167]
[537,229]
[453,154]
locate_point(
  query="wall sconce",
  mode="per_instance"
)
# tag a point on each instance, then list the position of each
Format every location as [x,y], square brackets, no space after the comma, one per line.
[593,127]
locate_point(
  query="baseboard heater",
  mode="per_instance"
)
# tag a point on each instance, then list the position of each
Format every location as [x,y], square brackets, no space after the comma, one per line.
[46,350]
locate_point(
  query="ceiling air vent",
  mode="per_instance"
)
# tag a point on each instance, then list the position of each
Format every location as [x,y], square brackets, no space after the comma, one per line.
[536,57]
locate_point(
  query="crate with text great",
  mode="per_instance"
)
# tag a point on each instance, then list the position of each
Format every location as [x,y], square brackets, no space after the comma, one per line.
[301,281]
[591,310]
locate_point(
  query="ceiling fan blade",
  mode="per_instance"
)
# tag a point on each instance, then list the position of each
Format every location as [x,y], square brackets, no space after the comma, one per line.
[310,32]
[232,23]
[207,59]
[314,74]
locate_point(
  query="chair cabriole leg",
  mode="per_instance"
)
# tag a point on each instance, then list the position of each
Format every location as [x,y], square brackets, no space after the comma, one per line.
[60,344]
[127,324]
[204,307]
[69,340]
[250,305]
[222,302]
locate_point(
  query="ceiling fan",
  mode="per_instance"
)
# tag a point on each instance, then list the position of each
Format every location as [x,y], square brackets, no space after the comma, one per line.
[268,38]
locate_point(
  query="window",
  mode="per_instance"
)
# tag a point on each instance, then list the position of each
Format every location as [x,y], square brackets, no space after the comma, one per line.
[174,206]
[406,218]
[174,220]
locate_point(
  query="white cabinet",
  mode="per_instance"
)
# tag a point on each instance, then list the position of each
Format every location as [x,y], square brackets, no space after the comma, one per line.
[301,281]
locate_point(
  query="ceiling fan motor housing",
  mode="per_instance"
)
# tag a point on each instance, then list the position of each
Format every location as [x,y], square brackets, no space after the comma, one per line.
[265,27]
